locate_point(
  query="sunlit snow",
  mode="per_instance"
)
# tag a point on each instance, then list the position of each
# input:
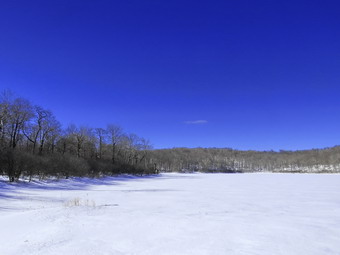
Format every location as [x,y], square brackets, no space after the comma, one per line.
[173,214]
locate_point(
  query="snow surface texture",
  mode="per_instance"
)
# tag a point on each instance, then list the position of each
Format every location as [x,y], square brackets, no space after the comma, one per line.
[173,214]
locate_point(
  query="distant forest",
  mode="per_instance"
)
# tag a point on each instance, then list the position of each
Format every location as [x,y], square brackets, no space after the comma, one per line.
[34,144]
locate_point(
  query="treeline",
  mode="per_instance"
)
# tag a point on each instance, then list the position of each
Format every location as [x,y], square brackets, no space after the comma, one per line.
[229,160]
[33,143]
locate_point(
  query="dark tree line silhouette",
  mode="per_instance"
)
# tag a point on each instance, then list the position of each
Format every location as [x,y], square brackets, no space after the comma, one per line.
[33,144]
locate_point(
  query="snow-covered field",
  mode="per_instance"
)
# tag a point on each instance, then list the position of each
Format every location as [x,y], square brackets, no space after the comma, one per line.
[173,214]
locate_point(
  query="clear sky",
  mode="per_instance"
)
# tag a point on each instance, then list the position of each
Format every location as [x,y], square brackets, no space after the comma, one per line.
[242,74]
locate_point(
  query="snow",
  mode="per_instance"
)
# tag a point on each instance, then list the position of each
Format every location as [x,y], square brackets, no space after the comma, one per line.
[173,214]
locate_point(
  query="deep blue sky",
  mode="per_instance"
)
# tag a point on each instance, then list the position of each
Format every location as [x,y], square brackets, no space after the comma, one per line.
[242,74]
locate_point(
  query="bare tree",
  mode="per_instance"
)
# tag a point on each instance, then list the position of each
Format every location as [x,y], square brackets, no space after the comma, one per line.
[101,135]
[114,135]
[50,127]
[79,136]
[5,100]
[33,130]
[20,112]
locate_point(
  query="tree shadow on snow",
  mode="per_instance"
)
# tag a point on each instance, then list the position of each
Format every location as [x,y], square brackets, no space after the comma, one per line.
[20,190]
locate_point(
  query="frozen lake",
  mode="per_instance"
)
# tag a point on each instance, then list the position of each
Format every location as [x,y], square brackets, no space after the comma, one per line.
[173,214]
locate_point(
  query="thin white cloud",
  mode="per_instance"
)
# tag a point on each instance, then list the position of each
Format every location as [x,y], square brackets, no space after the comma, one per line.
[195,122]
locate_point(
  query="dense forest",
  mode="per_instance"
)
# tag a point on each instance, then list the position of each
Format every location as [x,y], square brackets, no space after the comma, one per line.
[229,160]
[34,144]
